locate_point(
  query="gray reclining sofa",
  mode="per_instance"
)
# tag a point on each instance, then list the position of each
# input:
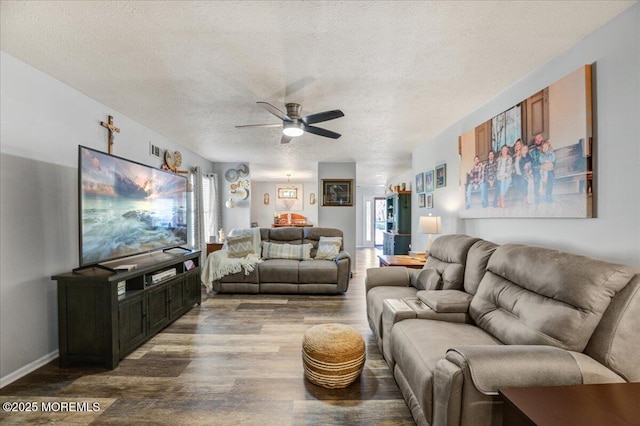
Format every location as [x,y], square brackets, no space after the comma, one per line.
[479,317]
[313,276]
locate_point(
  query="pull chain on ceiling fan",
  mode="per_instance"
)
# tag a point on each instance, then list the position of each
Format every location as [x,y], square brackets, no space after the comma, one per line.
[293,125]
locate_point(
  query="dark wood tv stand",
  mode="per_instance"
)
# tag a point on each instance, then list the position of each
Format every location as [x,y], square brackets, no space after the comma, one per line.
[97,325]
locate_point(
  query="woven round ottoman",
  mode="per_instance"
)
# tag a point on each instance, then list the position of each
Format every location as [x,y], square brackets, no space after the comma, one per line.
[333,355]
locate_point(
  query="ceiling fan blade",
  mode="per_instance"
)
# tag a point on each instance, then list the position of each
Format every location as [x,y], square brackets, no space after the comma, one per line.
[275,111]
[285,139]
[323,116]
[259,125]
[322,132]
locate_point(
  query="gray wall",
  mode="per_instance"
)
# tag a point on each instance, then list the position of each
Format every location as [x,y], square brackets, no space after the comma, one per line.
[615,234]
[343,218]
[238,217]
[43,122]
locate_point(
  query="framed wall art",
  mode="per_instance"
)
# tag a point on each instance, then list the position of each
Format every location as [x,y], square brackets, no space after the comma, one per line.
[429,183]
[289,197]
[422,200]
[441,176]
[420,183]
[429,201]
[337,192]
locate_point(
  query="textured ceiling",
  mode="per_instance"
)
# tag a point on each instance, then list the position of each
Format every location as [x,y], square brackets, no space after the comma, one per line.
[402,72]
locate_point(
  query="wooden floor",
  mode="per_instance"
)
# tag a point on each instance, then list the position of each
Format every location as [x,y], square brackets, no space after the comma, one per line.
[234,360]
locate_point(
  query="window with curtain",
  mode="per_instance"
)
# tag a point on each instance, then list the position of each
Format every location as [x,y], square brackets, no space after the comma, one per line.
[204,207]
[211,206]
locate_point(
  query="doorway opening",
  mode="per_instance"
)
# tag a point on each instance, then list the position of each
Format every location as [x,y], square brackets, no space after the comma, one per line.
[380,221]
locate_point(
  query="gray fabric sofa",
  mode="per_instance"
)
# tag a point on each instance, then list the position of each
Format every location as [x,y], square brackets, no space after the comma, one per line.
[520,316]
[290,276]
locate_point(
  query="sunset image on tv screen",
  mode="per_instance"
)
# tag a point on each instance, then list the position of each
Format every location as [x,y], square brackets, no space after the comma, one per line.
[128,208]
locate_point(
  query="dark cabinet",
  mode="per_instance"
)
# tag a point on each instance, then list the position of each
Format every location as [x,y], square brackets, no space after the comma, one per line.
[132,323]
[177,298]
[192,282]
[157,308]
[399,213]
[97,323]
[395,243]
[397,237]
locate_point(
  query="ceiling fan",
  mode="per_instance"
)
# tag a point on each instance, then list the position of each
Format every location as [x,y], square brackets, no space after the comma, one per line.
[294,125]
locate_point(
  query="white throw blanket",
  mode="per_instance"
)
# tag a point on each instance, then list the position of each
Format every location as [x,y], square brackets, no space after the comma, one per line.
[219,264]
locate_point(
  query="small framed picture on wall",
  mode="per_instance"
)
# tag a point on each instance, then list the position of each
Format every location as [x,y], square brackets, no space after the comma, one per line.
[422,200]
[441,176]
[428,181]
[420,182]
[429,201]
[337,192]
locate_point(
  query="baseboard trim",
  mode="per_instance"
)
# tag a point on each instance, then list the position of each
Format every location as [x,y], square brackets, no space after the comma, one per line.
[32,366]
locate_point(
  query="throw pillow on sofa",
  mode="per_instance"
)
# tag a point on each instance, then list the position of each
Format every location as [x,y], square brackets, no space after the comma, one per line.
[328,248]
[240,246]
[286,251]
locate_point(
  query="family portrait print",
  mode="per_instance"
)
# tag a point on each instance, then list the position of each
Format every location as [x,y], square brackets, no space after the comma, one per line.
[535,158]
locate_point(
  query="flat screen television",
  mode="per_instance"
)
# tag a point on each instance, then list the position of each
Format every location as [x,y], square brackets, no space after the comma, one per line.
[127,208]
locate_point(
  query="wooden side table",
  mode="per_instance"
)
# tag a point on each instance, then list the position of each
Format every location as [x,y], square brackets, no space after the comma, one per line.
[211,247]
[603,404]
[401,260]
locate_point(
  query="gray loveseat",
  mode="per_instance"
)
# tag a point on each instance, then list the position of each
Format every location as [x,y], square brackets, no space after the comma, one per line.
[314,276]
[479,317]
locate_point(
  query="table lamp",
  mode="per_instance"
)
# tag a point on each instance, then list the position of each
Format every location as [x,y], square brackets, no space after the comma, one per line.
[429,225]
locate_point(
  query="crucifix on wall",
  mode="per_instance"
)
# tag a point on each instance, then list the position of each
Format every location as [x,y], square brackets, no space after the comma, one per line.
[109,125]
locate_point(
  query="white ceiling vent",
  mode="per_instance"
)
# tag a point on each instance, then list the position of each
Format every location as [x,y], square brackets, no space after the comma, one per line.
[155,151]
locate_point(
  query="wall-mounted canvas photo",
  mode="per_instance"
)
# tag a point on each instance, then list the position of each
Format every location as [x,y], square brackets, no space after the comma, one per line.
[289,197]
[337,192]
[533,159]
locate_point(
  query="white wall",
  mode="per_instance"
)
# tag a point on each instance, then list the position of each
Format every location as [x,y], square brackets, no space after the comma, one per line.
[408,178]
[42,123]
[263,214]
[615,234]
[342,217]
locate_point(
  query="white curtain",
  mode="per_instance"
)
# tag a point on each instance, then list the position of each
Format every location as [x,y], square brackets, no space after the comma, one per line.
[207,217]
[213,214]
[198,242]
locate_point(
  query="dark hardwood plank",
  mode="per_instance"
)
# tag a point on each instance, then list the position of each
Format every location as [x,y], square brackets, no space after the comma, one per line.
[236,359]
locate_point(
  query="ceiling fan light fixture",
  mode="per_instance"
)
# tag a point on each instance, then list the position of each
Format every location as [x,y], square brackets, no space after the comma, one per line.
[294,124]
[293,129]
